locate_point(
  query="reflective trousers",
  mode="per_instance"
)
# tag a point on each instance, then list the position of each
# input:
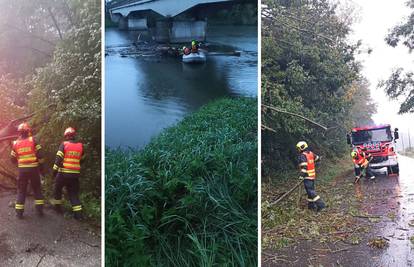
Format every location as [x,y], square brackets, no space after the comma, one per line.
[27,175]
[71,182]
[314,201]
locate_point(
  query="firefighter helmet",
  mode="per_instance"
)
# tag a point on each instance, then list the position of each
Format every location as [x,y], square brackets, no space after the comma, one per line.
[194,42]
[302,145]
[353,154]
[23,128]
[69,132]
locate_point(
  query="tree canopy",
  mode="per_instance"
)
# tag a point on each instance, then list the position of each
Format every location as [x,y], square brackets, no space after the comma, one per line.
[400,84]
[309,68]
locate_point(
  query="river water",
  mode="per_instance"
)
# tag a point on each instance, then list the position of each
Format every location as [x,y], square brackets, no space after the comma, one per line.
[142,97]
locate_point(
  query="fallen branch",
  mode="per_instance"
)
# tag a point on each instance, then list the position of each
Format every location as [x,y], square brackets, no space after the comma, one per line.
[268,128]
[286,194]
[40,260]
[367,216]
[296,115]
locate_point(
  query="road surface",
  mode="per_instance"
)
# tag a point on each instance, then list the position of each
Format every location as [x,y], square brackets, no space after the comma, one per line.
[52,240]
[390,202]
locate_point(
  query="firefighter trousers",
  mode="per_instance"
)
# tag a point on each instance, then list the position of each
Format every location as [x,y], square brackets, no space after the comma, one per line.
[314,200]
[27,175]
[368,171]
[71,182]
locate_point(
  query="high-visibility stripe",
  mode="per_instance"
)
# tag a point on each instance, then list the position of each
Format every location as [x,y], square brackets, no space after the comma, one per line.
[304,171]
[39,202]
[55,167]
[38,147]
[314,199]
[60,154]
[19,206]
[56,201]
[68,171]
[303,164]
[71,165]
[29,159]
[31,165]
[77,208]
[71,160]
[13,153]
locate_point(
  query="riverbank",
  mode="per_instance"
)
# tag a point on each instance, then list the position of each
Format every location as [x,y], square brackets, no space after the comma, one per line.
[189,198]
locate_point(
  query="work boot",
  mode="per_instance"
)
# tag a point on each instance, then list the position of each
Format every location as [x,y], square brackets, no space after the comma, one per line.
[58,209]
[19,214]
[39,210]
[77,215]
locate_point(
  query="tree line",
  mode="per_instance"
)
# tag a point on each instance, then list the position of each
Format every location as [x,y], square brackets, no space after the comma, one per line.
[309,67]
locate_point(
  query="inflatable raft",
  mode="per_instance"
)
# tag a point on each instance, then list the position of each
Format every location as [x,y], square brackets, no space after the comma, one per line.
[199,57]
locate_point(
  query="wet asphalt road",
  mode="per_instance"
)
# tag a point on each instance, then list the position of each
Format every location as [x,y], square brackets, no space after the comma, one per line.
[392,200]
[53,240]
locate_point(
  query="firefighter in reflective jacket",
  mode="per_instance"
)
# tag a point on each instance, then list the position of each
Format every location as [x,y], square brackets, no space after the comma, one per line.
[66,171]
[27,154]
[361,161]
[307,161]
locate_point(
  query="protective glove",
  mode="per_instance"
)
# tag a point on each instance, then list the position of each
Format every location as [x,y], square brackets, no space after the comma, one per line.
[301,178]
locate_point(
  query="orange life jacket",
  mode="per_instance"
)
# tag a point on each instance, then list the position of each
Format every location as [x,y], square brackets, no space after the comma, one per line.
[25,150]
[360,159]
[72,155]
[310,167]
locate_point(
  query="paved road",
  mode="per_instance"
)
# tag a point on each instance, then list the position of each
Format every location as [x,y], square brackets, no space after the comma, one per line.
[52,240]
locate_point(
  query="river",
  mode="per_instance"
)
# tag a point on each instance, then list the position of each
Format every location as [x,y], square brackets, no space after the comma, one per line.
[143,97]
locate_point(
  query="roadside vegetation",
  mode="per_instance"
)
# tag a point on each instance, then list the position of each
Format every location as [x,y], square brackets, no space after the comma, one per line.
[189,198]
[51,67]
[309,69]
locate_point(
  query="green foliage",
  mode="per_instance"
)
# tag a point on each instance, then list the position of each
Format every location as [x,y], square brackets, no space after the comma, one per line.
[67,92]
[400,84]
[190,197]
[308,68]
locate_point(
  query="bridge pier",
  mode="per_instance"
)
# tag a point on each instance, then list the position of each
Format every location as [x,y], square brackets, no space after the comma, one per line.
[123,23]
[180,31]
[137,24]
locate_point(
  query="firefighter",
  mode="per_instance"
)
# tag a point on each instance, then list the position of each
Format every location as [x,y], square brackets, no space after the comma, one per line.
[186,50]
[361,160]
[307,161]
[66,171]
[194,46]
[28,156]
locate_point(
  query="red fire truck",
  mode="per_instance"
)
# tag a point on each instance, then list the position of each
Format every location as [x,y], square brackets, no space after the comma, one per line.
[379,141]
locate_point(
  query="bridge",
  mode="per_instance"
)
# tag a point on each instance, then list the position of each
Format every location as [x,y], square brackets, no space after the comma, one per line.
[170,21]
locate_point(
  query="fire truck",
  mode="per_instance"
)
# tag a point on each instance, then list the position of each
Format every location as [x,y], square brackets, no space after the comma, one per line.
[380,142]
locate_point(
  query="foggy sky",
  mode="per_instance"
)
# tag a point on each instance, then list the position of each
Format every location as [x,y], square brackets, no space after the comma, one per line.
[375,20]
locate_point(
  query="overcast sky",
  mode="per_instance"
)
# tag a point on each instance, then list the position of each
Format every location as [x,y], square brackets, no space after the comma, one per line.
[375,20]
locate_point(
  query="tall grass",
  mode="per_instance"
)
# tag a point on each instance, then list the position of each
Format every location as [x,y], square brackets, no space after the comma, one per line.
[190,197]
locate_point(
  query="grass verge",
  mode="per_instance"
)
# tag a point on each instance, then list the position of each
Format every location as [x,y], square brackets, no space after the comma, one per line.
[189,198]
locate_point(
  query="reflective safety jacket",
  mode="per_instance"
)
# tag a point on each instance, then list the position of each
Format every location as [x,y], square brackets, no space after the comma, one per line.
[25,153]
[362,159]
[307,161]
[68,157]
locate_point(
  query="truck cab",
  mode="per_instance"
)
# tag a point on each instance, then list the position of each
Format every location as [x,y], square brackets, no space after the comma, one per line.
[378,141]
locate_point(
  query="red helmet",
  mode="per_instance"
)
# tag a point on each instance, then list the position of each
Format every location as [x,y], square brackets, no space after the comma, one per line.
[24,128]
[69,132]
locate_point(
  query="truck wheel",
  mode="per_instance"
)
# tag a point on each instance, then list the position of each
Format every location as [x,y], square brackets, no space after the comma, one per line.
[395,169]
